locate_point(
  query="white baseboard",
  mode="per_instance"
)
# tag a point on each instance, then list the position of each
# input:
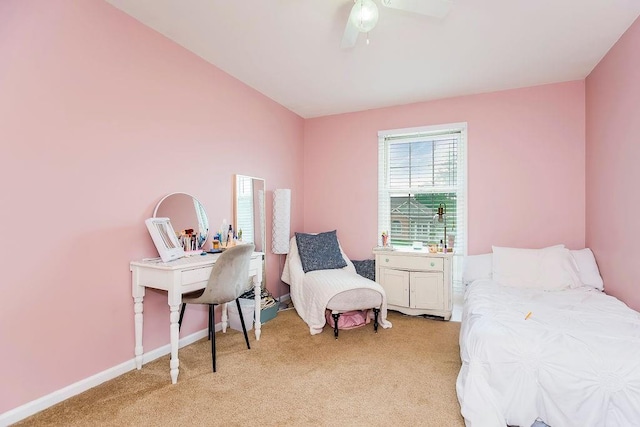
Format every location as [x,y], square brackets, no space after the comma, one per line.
[28,409]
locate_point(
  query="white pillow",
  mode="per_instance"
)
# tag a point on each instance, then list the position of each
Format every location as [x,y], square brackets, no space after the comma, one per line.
[477,267]
[481,266]
[587,268]
[549,269]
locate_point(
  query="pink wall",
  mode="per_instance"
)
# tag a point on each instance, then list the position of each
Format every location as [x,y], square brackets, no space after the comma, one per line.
[612,172]
[525,163]
[98,117]
[97,110]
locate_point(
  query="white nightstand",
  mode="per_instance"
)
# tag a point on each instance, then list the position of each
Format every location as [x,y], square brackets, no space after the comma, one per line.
[416,282]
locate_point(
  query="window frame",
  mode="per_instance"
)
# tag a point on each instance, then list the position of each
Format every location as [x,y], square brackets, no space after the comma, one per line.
[461,189]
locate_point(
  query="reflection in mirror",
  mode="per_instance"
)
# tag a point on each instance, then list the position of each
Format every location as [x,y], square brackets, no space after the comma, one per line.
[164,235]
[188,218]
[248,208]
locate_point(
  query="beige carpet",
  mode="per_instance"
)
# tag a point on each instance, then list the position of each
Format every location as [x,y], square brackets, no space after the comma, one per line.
[405,375]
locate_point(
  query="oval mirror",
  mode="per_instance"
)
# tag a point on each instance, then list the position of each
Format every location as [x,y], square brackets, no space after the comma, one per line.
[188,218]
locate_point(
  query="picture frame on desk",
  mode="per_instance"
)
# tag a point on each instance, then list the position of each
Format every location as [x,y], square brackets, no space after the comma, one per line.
[164,238]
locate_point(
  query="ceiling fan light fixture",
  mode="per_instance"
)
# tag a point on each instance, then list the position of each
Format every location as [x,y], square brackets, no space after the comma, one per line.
[364,15]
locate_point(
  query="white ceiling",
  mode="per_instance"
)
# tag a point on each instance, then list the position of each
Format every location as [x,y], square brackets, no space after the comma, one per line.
[289,50]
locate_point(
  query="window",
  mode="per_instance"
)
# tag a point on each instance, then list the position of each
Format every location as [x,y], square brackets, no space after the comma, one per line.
[418,170]
[396,227]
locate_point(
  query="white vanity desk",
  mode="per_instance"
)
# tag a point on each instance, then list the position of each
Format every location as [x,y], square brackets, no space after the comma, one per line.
[180,277]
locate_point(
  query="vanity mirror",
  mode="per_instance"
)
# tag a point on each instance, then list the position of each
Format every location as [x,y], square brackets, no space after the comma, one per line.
[248,213]
[164,238]
[188,218]
[248,210]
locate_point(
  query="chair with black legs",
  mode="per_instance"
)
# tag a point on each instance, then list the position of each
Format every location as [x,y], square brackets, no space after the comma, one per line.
[229,279]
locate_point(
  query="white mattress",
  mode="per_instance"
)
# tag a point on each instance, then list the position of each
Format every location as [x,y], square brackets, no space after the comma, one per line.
[574,362]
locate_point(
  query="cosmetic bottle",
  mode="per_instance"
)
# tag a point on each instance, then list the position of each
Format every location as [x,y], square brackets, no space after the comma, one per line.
[230,235]
[223,230]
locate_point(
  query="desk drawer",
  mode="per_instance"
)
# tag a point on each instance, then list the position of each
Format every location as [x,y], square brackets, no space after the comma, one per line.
[196,275]
[413,263]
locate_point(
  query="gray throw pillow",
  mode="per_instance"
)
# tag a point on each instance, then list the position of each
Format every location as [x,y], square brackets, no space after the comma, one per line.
[319,251]
[366,268]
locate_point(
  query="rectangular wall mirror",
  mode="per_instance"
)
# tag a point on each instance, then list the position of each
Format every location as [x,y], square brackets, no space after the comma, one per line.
[248,212]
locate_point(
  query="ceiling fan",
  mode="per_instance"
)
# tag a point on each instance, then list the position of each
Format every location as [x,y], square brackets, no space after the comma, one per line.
[364,15]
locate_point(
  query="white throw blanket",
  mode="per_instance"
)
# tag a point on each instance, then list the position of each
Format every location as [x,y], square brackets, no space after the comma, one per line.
[310,292]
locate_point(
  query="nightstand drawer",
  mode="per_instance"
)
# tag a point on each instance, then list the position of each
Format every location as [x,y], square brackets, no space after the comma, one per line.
[414,263]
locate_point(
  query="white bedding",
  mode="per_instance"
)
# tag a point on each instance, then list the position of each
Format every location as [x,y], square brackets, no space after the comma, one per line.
[574,362]
[312,291]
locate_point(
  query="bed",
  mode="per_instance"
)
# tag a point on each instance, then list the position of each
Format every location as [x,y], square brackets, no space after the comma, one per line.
[567,356]
[327,285]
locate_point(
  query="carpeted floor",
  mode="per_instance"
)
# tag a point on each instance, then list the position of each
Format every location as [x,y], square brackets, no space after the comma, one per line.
[404,375]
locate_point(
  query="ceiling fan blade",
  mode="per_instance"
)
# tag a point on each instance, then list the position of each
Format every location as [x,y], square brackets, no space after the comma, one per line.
[436,8]
[350,36]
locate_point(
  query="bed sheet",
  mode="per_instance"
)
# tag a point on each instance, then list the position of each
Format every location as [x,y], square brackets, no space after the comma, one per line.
[574,361]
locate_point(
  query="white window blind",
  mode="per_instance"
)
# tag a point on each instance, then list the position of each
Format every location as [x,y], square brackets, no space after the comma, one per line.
[418,170]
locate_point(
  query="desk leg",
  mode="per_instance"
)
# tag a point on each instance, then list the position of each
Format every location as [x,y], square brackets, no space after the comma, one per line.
[137,310]
[138,296]
[175,338]
[257,290]
[224,318]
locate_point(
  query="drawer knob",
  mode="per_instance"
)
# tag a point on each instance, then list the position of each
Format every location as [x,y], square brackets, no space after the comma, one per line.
[433,264]
[386,260]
